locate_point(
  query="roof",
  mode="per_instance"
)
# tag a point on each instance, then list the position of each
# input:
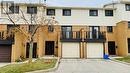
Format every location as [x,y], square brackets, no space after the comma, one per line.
[23,3]
[33,4]
[125,1]
[66,3]
[118,2]
[99,8]
[74,5]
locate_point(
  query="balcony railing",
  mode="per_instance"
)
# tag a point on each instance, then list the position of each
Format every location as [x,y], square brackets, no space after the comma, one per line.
[6,37]
[97,36]
[72,36]
[86,36]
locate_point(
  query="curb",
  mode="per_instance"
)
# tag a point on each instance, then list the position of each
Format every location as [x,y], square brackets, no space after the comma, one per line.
[47,70]
[120,61]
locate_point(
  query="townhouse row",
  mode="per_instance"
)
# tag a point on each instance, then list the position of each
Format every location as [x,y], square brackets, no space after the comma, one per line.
[77,35]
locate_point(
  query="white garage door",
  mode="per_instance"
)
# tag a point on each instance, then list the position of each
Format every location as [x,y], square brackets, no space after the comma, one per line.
[70,50]
[94,50]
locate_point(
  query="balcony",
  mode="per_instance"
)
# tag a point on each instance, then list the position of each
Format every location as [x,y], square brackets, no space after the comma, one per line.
[86,36]
[70,36]
[97,36]
[6,37]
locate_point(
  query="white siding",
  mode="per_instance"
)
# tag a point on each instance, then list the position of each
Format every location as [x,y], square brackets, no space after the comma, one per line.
[81,17]
[120,14]
[78,16]
[17,17]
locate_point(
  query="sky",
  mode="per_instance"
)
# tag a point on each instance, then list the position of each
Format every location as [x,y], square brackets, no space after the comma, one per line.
[78,3]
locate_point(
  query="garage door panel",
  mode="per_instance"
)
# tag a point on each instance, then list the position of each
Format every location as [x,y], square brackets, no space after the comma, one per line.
[94,50]
[70,50]
[5,53]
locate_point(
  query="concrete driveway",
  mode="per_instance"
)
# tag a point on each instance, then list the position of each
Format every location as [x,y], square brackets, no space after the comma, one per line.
[4,64]
[91,66]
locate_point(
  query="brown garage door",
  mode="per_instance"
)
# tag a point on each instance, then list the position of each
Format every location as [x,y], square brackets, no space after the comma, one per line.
[5,53]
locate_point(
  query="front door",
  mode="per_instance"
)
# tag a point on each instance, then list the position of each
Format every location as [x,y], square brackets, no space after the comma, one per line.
[129,45]
[111,48]
[34,55]
[94,32]
[49,47]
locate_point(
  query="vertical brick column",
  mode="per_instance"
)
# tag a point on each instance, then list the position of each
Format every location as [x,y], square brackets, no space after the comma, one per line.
[105,43]
[106,48]
[82,43]
[59,45]
[40,43]
[13,55]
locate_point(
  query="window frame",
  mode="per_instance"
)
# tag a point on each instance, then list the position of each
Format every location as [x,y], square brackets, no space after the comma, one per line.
[64,12]
[47,12]
[6,5]
[110,29]
[31,28]
[50,28]
[129,24]
[14,10]
[32,7]
[127,5]
[1,35]
[62,27]
[106,14]
[66,32]
[91,11]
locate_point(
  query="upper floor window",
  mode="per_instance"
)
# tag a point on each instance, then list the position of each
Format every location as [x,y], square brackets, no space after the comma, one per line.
[66,28]
[31,28]
[128,24]
[51,12]
[1,35]
[66,32]
[93,12]
[32,10]
[11,26]
[108,12]
[7,7]
[14,9]
[50,28]
[66,12]
[109,29]
[127,6]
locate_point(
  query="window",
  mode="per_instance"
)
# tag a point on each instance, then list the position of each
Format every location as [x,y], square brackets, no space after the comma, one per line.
[11,26]
[94,32]
[66,28]
[51,12]
[128,24]
[109,29]
[93,12]
[66,12]
[14,9]
[108,12]
[31,28]
[1,35]
[127,6]
[6,5]
[66,32]
[50,28]
[32,10]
